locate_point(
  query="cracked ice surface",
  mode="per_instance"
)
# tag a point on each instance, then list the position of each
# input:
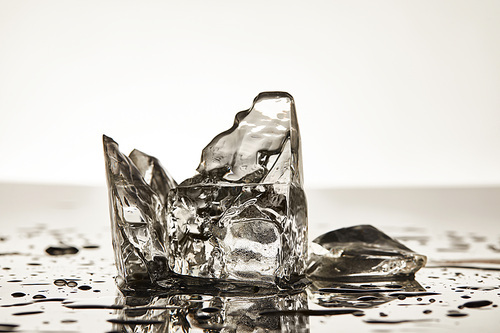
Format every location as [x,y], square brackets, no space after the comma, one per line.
[242,217]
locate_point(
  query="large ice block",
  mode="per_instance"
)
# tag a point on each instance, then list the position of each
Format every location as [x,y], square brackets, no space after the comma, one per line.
[242,217]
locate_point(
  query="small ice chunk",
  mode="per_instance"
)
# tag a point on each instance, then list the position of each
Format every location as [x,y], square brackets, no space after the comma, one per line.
[361,251]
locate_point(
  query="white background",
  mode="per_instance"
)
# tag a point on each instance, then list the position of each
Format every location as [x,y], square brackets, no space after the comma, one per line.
[388,93]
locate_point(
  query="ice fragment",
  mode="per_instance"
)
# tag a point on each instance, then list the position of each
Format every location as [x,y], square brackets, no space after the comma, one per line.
[361,252]
[137,214]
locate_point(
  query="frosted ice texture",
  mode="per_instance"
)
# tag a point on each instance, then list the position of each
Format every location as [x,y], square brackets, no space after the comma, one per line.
[361,251]
[242,217]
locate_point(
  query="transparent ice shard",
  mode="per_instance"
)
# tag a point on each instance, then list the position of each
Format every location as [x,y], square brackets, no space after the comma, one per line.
[242,217]
[137,214]
[361,251]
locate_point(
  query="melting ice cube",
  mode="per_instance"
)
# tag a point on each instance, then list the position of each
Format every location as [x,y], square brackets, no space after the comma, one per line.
[243,217]
[361,251]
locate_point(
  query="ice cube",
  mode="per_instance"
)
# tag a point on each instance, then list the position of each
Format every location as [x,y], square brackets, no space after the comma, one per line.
[361,251]
[242,217]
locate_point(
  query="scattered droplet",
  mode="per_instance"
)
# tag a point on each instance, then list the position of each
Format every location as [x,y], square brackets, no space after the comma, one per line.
[60,282]
[85,287]
[456,314]
[16,304]
[18,294]
[39,296]
[8,327]
[45,300]
[61,250]
[35,284]
[26,313]
[477,304]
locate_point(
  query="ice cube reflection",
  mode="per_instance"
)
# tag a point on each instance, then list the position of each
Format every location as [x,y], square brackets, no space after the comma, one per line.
[362,295]
[202,313]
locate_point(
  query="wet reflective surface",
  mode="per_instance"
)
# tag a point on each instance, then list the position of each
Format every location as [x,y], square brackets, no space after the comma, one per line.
[57,274]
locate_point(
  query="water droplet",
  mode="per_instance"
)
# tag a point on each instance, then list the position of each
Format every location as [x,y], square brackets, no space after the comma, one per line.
[60,282]
[39,296]
[26,313]
[476,304]
[85,287]
[61,250]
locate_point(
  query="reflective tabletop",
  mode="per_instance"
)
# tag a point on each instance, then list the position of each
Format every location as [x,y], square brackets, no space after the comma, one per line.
[57,269]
